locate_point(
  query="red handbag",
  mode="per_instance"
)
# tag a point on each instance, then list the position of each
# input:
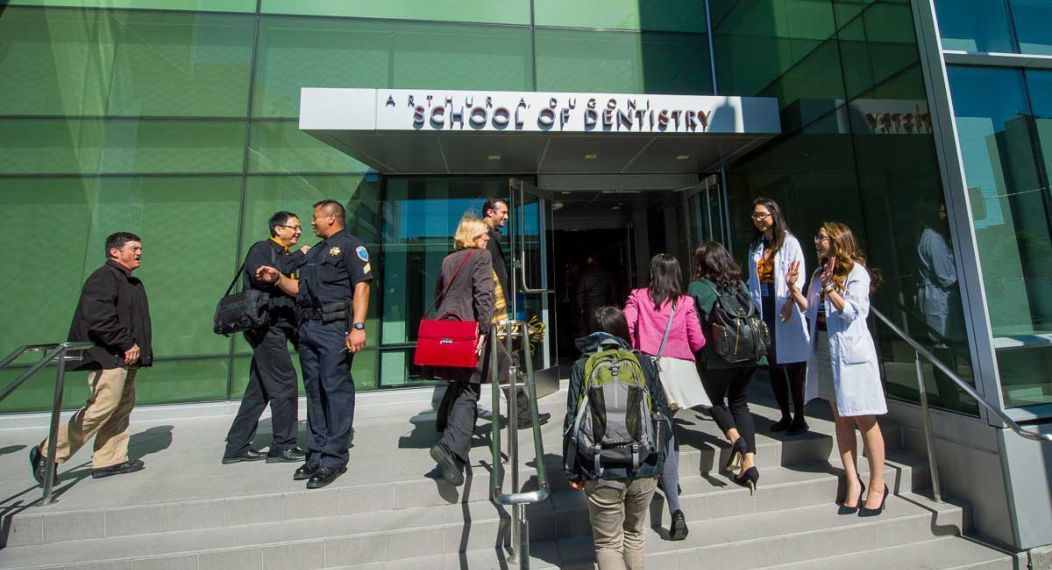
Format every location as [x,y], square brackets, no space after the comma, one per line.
[447,343]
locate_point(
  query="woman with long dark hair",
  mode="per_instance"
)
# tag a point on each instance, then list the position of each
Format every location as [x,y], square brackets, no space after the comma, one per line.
[662,323]
[716,275]
[842,367]
[773,251]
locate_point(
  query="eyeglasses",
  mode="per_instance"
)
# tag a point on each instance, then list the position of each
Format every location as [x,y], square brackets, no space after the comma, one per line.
[759,217]
[293,228]
[820,239]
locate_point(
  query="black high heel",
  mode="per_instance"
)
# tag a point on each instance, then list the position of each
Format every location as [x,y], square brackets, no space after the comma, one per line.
[738,451]
[749,479]
[864,512]
[677,529]
[846,510]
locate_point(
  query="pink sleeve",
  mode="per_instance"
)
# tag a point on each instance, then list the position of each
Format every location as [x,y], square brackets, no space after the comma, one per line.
[694,337]
[632,316]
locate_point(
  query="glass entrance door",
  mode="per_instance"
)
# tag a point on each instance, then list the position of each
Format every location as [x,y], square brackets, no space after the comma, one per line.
[529,233]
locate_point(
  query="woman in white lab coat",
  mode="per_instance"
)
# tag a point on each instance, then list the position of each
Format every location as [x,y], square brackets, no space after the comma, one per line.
[843,367]
[772,252]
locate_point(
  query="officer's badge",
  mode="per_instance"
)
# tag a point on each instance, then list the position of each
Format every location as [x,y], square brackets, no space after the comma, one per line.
[366,268]
[363,254]
[334,251]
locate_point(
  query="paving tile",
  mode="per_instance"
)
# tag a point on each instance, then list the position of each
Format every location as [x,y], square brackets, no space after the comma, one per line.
[240,559]
[26,529]
[186,516]
[74,526]
[355,550]
[249,510]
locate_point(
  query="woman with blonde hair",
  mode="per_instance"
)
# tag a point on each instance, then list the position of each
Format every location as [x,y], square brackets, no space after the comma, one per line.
[463,292]
[842,367]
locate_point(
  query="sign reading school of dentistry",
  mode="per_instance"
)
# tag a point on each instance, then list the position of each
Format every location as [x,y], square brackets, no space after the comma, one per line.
[505,111]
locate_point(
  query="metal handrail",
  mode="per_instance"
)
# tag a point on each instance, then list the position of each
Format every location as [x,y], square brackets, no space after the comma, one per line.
[520,532]
[929,441]
[59,353]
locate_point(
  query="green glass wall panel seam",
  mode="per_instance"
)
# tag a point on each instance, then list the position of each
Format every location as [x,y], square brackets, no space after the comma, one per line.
[648,15]
[248,6]
[489,11]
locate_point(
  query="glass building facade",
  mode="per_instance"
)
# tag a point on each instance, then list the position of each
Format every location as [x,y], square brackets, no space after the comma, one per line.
[179,122]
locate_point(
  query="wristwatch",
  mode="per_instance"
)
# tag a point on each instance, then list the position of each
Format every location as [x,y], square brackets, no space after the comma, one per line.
[358,326]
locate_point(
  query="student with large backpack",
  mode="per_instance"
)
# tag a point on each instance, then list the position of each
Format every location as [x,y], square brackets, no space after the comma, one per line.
[737,341]
[615,437]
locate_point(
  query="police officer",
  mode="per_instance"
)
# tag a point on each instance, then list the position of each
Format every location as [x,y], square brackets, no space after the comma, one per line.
[332,298]
[271,377]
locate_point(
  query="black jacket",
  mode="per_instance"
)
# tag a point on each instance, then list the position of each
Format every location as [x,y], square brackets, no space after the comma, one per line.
[469,298]
[500,265]
[113,314]
[281,307]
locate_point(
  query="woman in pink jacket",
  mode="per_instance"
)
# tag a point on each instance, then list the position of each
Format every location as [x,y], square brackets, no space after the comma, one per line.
[662,322]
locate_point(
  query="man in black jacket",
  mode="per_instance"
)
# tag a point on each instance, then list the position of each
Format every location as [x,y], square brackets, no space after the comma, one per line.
[271,377]
[495,215]
[114,315]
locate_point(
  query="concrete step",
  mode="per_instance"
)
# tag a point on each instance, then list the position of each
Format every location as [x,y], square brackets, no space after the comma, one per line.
[747,540]
[390,470]
[945,553]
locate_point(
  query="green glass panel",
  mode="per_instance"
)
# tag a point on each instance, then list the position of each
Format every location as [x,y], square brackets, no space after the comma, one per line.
[85,62]
[311,52]
[974,25]
[493,11]
[183,380]
[878,48]
[189,5]
[622,62]
[652,15]
[125,146]
[281,147]
[1033,22]
[776,47]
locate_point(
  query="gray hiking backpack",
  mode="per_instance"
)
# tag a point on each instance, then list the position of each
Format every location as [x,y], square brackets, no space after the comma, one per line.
[616,424]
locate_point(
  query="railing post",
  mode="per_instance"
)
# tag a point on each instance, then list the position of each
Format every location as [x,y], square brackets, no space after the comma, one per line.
[513,442]
[929,440]
[52,437]
[523,550]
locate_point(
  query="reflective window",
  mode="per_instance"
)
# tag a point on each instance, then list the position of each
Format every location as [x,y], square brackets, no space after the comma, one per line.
[195,5]
[138,63]
[622,62]
[490,11]
[1033,25]
[651,15]
[974,25]
[1011,209]
[312,52]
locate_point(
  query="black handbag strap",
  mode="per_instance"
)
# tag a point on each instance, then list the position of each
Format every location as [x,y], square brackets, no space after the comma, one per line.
[668,327]
[442,294]
[242,268]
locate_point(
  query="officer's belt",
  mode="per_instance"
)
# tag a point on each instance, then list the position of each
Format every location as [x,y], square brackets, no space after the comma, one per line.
[326,313]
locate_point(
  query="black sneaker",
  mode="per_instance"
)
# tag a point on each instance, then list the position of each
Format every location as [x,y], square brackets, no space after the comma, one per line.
[450,467]
[526,422]
[678,530]
[287,455]
[38,466]
[119,469]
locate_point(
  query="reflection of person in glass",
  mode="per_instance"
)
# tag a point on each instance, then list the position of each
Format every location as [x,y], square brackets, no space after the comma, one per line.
[937,278]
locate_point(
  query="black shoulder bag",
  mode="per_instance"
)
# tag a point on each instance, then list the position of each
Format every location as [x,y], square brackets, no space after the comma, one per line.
[242,311]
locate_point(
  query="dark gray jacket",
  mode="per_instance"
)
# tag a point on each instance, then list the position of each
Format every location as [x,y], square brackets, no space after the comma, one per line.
[469,298]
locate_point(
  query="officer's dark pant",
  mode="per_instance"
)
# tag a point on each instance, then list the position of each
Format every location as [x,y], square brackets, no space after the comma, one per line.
[326,365]
[461,406]
[271,380]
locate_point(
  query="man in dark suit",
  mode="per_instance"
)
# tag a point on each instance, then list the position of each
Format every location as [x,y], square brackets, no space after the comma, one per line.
[113,314]
[495,215]
[271,377]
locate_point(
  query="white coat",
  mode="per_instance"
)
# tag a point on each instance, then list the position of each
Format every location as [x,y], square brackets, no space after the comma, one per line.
[791,340]
[856,372]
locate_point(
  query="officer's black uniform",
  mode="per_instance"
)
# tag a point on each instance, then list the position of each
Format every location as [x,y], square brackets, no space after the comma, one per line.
[327,279]
[271,378]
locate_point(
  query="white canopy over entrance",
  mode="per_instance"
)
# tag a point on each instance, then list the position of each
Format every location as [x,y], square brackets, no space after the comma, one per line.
[406,131]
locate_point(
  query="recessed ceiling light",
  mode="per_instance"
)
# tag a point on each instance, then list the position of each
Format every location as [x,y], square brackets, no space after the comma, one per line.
[591,156]
[682,156]
[615,207]
[565,193]
[494,157]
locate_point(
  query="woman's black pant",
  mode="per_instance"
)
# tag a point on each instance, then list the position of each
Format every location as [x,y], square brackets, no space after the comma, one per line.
[728,388]
[784,377]
[456,418]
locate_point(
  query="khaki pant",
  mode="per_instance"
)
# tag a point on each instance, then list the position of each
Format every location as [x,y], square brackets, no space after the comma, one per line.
[105,416]
[618,511]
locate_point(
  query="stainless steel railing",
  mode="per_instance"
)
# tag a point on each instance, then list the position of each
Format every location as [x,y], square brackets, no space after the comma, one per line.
[520,531]
[929,440]
[59,353]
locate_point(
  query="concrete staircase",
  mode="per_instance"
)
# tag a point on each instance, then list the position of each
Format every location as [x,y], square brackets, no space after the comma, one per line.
[392,511]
